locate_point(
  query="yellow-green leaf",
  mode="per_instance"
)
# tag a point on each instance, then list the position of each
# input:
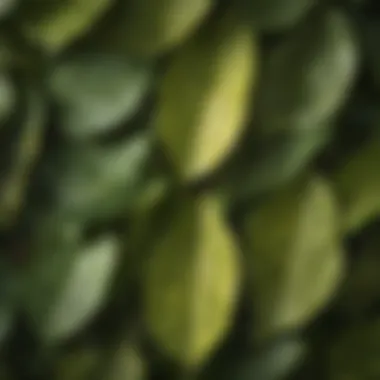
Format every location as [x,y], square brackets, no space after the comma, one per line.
[191,282]
[204,96]
[294,258]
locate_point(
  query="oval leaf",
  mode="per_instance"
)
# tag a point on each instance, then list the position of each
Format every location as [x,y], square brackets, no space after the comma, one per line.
[204,96]
[65,288]
[96,92]
[97,183]
[307,77]
[295,260]
[191,282]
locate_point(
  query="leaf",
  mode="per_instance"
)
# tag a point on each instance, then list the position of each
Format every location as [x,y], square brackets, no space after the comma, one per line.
[357,186]
[191,282]
[274,15]
[214,75]
[307,78]
[67,286]
[148,28]
[265,164]
[355,354]
[97,92]
[294,256]
[53,25]
[98,183]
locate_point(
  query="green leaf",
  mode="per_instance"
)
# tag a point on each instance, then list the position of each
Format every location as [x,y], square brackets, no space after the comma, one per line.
[294,257]
[214,74]
[148,28]
[357,186]
[97,92]
[191,282]
[97,183]
[355,354]
[307,77]
[53,25]
[274,15]
[265,164]
[67,282]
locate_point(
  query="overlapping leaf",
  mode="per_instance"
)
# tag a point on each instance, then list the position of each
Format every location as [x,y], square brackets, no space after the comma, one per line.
[68,281]
[96,92]
[191,282]
[306,79]
[203,100]
[294,255]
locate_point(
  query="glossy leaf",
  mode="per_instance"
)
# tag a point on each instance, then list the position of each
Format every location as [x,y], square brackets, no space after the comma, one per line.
[191,282]
[97,92]
[307,77]
[214,75]
[294,255]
